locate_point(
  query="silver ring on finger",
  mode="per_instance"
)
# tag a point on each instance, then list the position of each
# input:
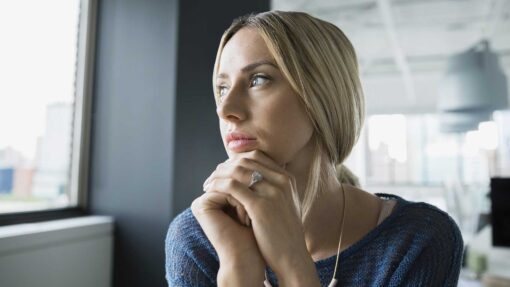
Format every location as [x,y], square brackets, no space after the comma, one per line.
[255,177]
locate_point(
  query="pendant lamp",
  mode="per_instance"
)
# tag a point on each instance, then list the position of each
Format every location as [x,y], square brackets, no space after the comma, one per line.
[473,87]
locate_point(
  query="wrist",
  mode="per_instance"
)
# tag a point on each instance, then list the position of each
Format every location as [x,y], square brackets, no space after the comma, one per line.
[298,272]
[240,274]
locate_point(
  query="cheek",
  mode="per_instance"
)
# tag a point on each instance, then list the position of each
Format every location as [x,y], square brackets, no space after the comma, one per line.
[294,134]
[289,118]
[290,131]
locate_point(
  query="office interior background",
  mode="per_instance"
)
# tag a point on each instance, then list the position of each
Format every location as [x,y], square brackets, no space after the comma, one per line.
[108,126]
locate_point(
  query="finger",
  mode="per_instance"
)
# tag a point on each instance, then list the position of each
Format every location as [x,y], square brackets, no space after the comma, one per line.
[242,170]
[207,209]
[242,214]
[214,201]
[263,158]
[251,201]
[263,163]
[217,167]
[236,189]
[239,172]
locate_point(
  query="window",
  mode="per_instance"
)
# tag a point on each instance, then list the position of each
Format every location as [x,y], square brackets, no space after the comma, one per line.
[409,156]
[411,150]
[46,63]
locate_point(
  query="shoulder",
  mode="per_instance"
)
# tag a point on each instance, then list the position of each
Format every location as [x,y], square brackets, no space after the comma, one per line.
[426,220]
[414,226]
[429,239]
[188,249]
[423,222]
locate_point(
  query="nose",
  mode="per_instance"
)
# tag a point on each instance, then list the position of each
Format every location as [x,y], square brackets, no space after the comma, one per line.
[232,106]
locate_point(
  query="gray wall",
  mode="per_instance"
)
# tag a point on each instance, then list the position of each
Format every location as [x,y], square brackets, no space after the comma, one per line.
[198,145]
[133,132]
[155,135]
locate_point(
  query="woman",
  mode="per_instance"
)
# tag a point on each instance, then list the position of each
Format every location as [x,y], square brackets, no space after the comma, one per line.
[290,106]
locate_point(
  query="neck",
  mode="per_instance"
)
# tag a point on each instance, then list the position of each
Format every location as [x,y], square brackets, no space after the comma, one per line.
[323,223]
[320,238]
[327,207]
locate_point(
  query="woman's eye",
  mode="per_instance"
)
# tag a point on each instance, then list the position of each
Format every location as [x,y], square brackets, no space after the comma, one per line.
[258,80]
[222,91]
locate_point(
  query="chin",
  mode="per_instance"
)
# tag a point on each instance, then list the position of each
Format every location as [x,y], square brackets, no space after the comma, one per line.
[276,158]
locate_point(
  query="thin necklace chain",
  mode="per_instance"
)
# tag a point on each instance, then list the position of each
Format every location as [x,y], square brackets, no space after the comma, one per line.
[333,280]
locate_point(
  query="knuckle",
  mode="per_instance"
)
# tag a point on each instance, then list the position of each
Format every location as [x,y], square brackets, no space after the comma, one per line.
[282,178]
[272,192]
[239,169]
[244,161]
[258,156]
[211,185]
[231,183]
[255,153]
[196,205]
[193,204]
[247,172]
[254,205]
[220,165]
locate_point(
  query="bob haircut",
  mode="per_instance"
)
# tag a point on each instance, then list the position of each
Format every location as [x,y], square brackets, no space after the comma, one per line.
[321,66]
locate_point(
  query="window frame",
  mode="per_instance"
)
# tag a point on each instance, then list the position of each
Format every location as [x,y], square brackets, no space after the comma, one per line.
[81,127]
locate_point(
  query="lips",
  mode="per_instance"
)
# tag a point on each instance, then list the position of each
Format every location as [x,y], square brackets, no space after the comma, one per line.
[238,136]
[240,142]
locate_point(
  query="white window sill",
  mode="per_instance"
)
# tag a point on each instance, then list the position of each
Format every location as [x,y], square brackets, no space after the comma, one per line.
[33,235]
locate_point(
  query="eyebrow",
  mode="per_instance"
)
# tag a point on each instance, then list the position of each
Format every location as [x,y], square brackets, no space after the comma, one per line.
[251,67]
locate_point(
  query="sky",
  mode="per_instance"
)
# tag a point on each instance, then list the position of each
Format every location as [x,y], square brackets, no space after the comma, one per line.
[37,66]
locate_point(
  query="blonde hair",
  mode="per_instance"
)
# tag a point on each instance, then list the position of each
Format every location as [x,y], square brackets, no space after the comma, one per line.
[320,64]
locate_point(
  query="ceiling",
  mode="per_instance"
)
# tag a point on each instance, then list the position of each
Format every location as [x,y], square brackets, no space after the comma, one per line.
[412,39]
[425,31]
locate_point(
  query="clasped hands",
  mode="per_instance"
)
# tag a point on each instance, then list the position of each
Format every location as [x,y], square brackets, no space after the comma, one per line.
[275,234]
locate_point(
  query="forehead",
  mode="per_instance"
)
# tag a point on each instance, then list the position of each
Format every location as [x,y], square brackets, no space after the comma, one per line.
[245,47]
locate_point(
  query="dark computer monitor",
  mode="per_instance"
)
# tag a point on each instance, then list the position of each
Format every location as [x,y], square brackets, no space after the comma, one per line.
[500,211]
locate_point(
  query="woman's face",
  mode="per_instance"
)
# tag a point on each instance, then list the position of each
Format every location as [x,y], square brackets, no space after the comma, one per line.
[258,103]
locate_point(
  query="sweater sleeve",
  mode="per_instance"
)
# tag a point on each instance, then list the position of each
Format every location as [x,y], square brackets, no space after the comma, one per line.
[438,263]
[189,262]
[185,272]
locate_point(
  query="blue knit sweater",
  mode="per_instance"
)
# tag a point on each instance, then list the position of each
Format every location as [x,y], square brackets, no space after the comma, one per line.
[416,245]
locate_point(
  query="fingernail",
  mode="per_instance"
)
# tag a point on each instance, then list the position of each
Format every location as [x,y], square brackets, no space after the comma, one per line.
[205,187]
